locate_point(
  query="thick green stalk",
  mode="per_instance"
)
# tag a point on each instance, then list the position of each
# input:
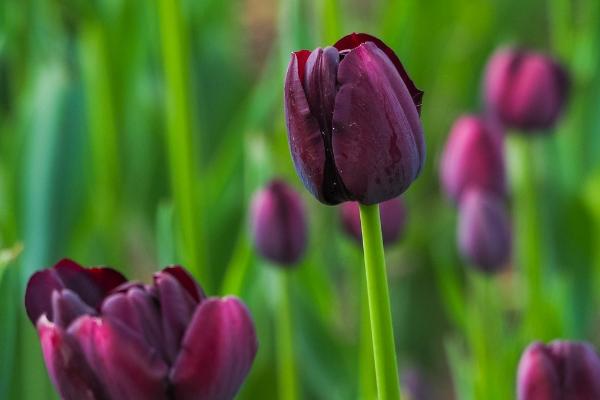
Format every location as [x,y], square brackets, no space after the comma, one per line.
[384,349]
[366,369]
[182,165]
[286,359]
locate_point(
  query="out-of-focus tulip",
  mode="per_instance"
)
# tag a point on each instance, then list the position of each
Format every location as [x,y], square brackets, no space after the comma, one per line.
[484,234]
[525,90]
[278,223]
[473,158]
[104,338]
[393,218]
[352,117]
[414,386]
[561,370]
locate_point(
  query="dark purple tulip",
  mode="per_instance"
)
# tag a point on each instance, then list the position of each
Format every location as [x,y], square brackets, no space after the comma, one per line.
[562,370]
[473,158]
[393,218]
[104,338]
[525,90]
[484,234]
[278,223]
[352,116]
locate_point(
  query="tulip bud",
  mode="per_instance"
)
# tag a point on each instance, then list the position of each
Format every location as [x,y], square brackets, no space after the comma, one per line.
[393,218]
[352,115]
[484,236]
[105,338]
[473,158]
[562,370]
[525,90]
[278,223]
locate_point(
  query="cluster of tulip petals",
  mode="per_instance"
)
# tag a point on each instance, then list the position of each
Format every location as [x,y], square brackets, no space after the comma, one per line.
[352,116]
[561,370]
[105,338]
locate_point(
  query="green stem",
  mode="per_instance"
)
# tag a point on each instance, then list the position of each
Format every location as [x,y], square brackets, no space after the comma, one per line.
[179,139]
[384,349]
[366,378]
[528,233]
[286,360]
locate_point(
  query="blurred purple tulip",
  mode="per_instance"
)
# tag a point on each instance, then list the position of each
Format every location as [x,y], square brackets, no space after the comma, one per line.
[561,370]
[525,90]
[278,223]
[414,386]
[105,338]
[352,115]
[484,234]
[473,158]
[393,219]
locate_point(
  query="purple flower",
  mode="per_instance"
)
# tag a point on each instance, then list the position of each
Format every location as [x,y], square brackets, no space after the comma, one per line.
[561,370]
[105,338]
[525,90]
[352,116]
[473,158]
[484,234]
[278,223]
[393,219]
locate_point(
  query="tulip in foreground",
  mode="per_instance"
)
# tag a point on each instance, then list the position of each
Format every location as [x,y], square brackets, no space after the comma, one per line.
[525,90]
[473,158]
[106,338]
[484,234]
[393,219]
[352,116]
[561,370]
[278,223]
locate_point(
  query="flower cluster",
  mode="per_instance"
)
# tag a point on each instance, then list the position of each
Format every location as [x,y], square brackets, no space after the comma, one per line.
[106,338]
[523,90]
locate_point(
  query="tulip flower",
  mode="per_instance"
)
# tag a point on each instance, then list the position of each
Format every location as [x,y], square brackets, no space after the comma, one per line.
[278,223]
[525,90]
[473,158]
[484,234]
[393,218]
[561,370]
[352,116]
[105,338]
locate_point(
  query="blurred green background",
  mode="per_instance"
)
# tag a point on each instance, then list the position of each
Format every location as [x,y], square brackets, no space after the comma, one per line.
[133,134]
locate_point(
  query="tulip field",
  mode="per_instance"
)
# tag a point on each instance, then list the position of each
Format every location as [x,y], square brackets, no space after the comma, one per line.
[300,199]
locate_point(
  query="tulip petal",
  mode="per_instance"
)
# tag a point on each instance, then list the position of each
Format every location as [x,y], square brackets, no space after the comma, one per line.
[537,376]
[217,352]
[139,311]
[354,40]
[67,367]
[177,308]
[304,133]
[580,366]
[91,285]
[186,280]
[126,366]
[319,84]
[67,306]
[377,135]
